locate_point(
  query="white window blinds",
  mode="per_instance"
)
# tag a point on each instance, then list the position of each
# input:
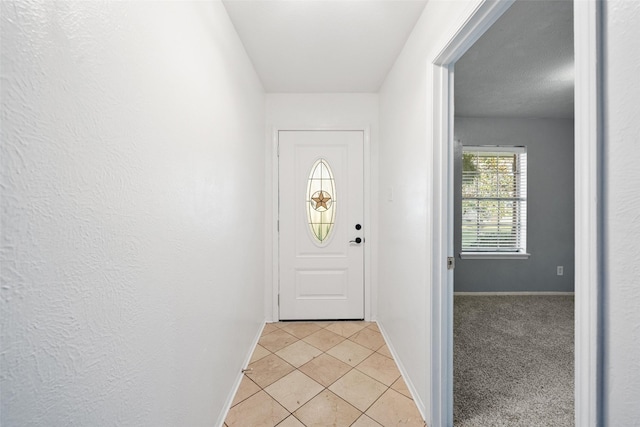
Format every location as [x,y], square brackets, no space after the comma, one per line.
[494,199]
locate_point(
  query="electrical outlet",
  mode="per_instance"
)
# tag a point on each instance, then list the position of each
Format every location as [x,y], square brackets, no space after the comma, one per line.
[560,270]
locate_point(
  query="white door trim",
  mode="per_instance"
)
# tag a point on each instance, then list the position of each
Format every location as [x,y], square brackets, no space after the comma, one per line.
[587,208]
[367,235]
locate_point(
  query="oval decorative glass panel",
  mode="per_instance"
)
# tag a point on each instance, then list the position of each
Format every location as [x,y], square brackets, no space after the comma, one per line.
[321,200]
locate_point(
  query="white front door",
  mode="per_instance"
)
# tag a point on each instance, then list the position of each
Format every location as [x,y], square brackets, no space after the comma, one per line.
[321,212]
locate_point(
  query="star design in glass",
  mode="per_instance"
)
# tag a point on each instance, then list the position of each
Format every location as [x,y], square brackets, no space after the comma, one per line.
[321,200]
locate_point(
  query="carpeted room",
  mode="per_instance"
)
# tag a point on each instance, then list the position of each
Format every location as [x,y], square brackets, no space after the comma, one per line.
[513,360]
[514,222]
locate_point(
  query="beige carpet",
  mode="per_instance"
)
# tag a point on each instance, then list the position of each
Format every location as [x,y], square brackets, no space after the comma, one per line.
[513,361]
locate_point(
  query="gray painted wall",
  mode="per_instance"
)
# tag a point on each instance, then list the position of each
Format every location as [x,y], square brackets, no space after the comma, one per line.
[550,234]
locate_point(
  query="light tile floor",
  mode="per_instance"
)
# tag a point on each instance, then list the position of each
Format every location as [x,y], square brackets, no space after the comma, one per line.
[322,374]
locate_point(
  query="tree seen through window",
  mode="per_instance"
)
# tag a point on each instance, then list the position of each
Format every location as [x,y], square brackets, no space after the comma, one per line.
[493,199]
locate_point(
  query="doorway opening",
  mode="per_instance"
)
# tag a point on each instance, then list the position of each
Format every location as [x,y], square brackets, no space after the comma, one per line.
[321,265]
[585,215]
[513,216]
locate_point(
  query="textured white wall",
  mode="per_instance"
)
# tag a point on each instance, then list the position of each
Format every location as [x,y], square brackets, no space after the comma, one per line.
[323,111]
[621,187]
[404,266]
[132,234]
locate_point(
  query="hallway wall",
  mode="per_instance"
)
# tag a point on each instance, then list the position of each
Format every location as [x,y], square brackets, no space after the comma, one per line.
[132,234]
[621,217]
[406,200]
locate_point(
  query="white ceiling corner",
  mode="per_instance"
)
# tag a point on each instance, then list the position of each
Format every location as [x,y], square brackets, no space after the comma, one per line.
[323,46]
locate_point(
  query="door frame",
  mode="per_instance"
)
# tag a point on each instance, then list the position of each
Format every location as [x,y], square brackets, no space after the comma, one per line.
[587,158]
[368,229]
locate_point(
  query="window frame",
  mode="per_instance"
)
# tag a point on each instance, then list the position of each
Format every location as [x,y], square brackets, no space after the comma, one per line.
[520,248]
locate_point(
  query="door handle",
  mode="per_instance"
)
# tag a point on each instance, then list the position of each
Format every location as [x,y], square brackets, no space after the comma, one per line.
[357,240]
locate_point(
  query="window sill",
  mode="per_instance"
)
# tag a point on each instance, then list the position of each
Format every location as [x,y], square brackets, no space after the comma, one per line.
[494,255]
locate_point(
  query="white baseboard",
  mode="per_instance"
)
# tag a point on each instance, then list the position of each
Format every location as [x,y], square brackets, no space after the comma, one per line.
[236,384]
[485,294]
[416,398]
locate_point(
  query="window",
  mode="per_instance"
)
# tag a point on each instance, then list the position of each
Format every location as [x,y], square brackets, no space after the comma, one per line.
[494,201]
[321,200]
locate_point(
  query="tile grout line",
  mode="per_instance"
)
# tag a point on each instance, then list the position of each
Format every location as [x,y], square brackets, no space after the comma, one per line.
[326,352]
[291,414]
[387,387]
[281,327]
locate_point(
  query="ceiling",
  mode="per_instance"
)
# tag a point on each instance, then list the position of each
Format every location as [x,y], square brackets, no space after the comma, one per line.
[313,46]
[522,66]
